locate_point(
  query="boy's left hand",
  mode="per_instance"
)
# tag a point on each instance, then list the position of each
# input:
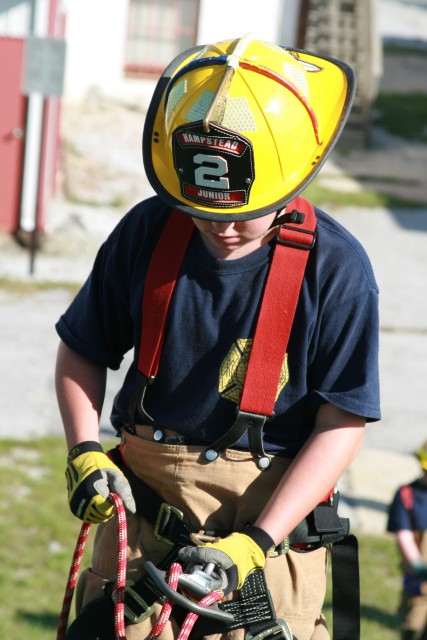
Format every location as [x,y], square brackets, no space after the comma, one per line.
[235,556]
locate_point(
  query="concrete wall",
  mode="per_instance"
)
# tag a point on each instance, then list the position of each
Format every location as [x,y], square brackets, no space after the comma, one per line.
[223,19]
[15,18]
[96,33]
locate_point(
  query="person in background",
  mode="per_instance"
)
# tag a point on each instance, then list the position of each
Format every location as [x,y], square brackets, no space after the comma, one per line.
[408,521]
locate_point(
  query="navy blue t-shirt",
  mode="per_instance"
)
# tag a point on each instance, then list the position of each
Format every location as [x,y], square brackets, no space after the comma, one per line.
[332,353]
[414,519]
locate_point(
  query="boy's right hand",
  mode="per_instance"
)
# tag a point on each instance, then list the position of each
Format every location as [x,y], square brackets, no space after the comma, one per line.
[91,477]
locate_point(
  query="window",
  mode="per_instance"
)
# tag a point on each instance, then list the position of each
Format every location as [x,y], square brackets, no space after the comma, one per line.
[158,30]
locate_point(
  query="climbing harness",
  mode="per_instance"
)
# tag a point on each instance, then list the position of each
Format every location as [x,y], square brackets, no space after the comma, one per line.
[254,609]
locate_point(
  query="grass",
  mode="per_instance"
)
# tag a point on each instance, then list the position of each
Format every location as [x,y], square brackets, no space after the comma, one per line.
[30,286]
[38,535]
[324,197]
[403,115]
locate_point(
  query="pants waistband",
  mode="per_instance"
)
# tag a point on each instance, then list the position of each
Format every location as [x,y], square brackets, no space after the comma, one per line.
[165,436]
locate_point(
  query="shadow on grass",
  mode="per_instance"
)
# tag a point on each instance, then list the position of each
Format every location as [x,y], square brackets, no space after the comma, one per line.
[381,617]
[40,619]
[370,613]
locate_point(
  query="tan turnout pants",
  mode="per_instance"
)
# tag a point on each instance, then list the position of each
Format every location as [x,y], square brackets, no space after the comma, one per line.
[222,495]
[413,609]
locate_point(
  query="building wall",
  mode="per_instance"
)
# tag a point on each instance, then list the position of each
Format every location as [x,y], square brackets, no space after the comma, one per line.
[96,33]
[36,170]
[224,19]
[15,18]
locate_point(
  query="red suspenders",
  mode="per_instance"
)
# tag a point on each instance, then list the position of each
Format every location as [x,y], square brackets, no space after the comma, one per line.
[294,241]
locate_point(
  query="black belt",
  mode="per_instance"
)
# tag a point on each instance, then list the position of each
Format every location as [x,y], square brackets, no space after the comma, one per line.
[163,435]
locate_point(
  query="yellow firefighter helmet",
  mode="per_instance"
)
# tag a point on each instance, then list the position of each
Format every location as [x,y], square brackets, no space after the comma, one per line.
[237,129]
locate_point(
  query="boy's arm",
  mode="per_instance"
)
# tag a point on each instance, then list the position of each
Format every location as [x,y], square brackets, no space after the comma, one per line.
[328,452]
[409,548]
[91,475]
[313,473]
[80,389]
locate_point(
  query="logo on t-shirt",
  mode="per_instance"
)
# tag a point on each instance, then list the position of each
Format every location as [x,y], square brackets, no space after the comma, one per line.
[233,371]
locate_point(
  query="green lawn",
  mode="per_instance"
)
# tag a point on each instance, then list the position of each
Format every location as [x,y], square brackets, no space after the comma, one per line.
[38,535]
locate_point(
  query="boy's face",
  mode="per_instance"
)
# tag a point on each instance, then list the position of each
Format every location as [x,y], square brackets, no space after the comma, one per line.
[231,240]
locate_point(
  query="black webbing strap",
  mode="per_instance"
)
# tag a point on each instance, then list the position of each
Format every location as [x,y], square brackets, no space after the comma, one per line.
[168,523]
[345,589]
[94,622]
[253,609]
[323,526]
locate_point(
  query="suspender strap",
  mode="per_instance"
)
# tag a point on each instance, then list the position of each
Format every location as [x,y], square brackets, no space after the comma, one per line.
[407,496]
[293,244]
[294,240]
[160,283]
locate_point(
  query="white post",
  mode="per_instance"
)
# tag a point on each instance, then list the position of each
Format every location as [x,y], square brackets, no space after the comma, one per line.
[33,130]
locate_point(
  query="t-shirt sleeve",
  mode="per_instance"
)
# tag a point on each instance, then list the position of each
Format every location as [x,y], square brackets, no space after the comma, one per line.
[86,326]
[98,323]
[344,370]
[398,516]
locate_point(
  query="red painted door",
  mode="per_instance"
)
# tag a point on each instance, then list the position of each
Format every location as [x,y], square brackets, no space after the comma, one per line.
[12,122]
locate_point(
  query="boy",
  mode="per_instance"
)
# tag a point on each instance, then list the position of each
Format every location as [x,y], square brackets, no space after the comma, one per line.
[234,132]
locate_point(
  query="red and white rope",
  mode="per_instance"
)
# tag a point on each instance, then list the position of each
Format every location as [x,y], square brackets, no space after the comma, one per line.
[174,573]
[190,618]
[119,603]
[72,579]
[119,623]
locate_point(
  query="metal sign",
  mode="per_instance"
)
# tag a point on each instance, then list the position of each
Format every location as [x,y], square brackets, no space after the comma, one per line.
[44,65]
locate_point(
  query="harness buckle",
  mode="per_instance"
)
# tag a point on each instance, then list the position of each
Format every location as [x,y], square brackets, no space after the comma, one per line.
[135,609]
[281,549]
[306,243]
[165,518]
[279,631]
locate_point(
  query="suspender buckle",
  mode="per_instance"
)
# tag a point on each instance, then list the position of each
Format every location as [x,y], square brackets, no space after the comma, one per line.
[305,242]
[246,422]
[279,631]
[165,521]
[136,609]
[282,548]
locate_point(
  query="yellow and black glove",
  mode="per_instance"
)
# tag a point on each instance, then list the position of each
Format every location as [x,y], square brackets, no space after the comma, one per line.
[235,556]
[91,477]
